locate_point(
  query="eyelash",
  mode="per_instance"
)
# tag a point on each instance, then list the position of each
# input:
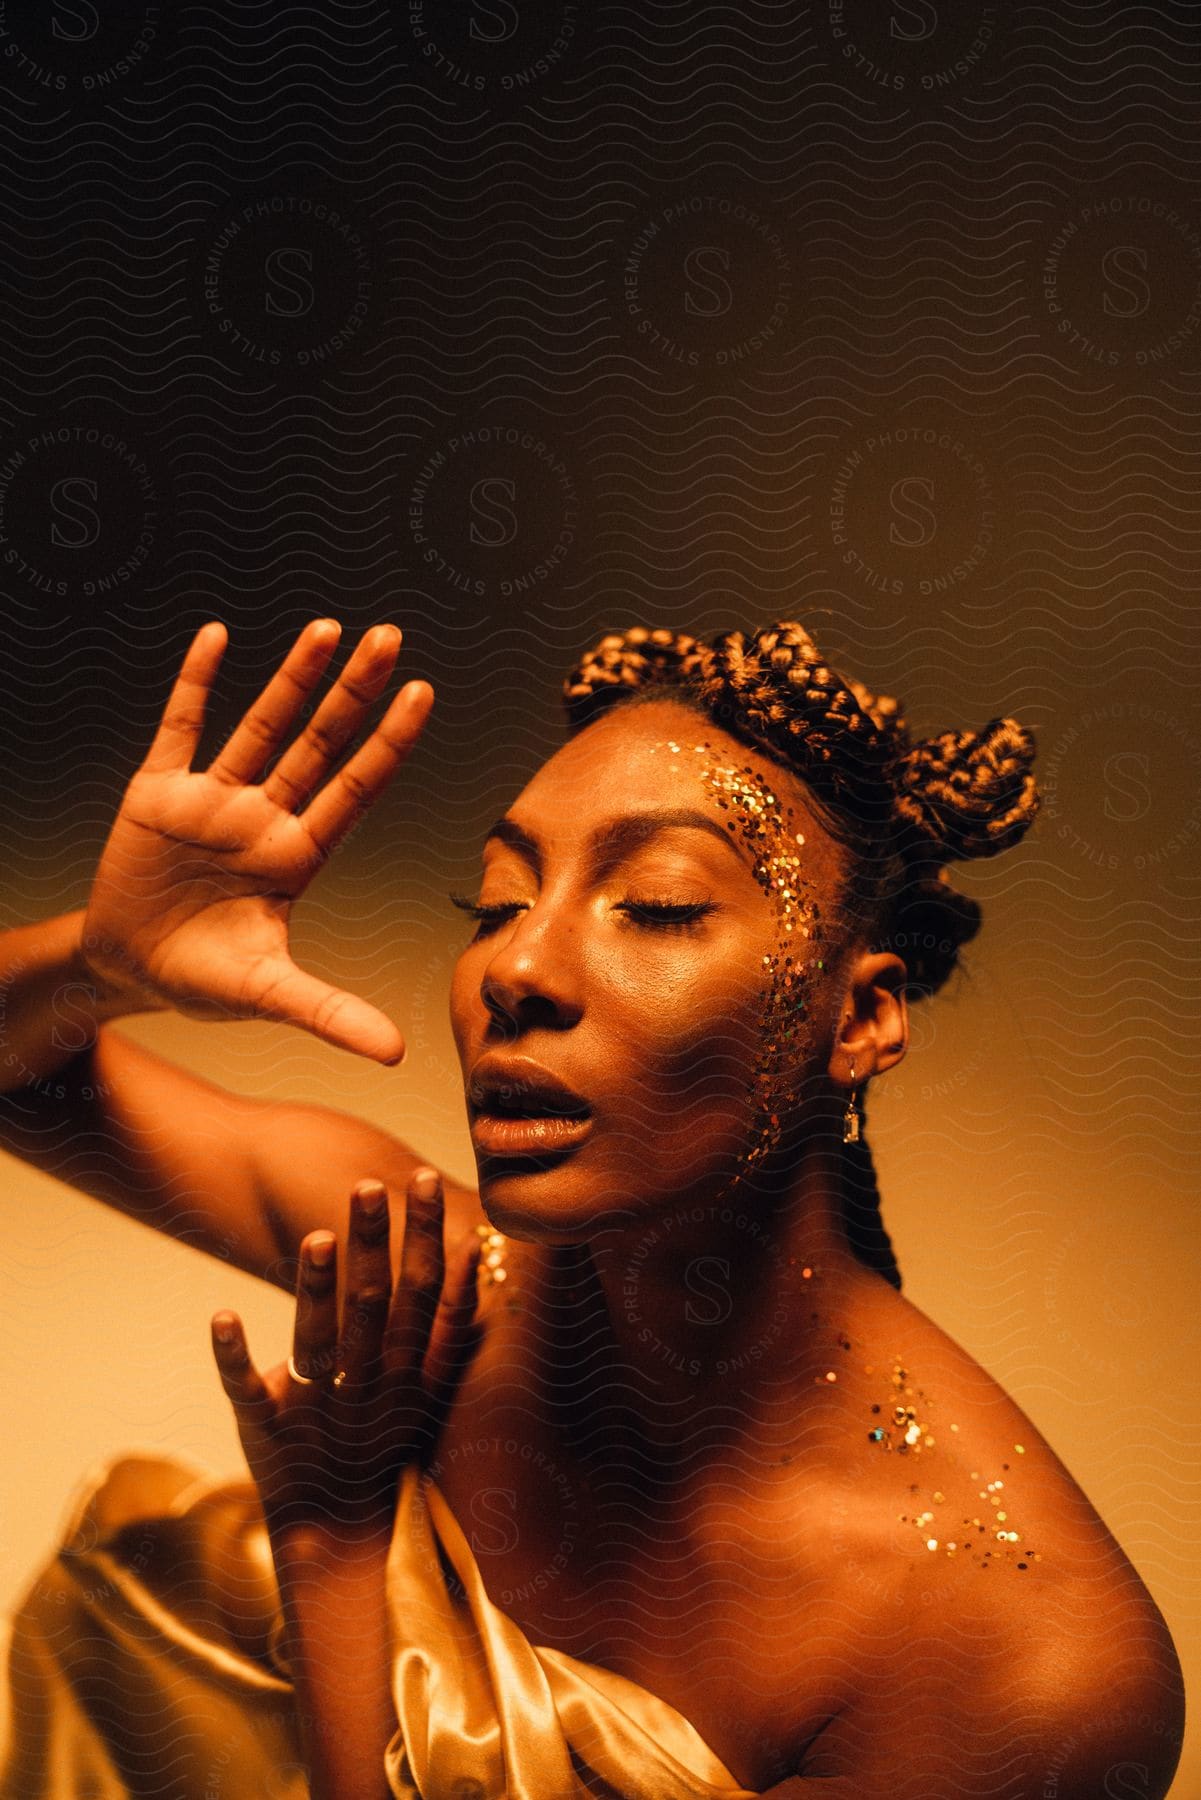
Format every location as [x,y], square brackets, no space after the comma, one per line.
[655,915]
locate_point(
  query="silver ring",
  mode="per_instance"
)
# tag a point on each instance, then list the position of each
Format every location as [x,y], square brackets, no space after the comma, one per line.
[304,1380]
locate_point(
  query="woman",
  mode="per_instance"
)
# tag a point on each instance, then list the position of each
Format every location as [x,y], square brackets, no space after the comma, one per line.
[687,1498]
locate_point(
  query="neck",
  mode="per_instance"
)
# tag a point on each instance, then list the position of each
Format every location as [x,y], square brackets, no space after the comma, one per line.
[708,1323]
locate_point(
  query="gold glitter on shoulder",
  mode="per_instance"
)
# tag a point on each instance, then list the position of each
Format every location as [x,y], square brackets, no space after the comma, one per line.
[903,1425]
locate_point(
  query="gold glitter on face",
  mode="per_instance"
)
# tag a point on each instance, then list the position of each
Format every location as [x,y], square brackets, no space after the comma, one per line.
[758,820]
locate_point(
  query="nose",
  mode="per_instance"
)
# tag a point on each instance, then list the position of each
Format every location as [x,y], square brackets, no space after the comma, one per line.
[532,978]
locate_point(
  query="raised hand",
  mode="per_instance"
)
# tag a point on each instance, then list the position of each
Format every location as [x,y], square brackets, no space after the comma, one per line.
[327,1433]
[191,902]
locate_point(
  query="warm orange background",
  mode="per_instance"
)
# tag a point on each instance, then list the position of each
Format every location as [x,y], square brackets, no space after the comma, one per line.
[883,316]
[1035,1153]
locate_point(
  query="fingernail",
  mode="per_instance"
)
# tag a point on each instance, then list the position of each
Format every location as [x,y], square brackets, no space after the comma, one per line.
[321,1252]
[224,1330]
[373,1197]
[426,1183]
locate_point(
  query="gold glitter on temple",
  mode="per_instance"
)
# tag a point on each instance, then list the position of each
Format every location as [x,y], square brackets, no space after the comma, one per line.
[759,821]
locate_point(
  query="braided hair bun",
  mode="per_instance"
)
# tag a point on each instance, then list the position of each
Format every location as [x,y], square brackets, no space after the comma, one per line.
[902,809]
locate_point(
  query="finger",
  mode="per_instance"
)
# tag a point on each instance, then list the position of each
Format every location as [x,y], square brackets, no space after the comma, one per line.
[264,726]
[315,1336]
[456,1328]
[242,1382]
[333,1015]
[182,722]
[411,1315]
[360,780]
[336,721]
[368,1285]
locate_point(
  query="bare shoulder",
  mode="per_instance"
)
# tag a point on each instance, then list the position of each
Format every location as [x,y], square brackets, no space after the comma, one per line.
[975,1481]
[984,1599]
[1047,1702]
[1067,1690]
[955,1481]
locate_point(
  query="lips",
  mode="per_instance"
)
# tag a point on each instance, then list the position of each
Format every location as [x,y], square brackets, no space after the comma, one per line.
[518,1108]
[494,1135]
[519,1088]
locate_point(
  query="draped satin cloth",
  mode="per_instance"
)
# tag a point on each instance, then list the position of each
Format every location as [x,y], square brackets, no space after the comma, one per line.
[146,1661]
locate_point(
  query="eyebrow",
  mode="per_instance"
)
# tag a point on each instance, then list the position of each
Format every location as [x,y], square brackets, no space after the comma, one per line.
[614,839]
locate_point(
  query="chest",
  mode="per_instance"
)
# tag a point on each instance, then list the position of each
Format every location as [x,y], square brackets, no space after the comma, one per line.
[704,1607]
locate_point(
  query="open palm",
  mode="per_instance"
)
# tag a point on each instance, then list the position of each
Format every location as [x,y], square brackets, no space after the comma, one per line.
[192,898]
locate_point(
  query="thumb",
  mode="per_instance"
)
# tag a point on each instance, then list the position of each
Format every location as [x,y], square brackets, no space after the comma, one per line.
[332,1014]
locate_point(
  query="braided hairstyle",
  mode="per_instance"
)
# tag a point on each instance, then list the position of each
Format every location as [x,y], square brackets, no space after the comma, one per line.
[902,810]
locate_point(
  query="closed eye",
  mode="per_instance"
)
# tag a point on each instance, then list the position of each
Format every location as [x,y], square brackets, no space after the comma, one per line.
[487,916]
[664,914]
[655,915]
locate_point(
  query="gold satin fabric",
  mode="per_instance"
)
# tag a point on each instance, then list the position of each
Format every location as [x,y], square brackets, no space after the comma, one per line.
[145,1661]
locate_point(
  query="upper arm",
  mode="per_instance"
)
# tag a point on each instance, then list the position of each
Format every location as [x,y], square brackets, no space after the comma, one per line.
[307,1159]
[1052,1710]
[239,1178]
[150,1139]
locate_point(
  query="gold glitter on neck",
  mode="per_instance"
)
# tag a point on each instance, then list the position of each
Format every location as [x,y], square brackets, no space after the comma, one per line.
[492,1254]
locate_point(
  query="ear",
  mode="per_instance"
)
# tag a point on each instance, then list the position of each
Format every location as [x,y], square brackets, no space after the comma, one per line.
[873,1029]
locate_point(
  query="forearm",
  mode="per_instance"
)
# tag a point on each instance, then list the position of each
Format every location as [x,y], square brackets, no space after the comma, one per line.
[238,1178]
[51,1003]
[334,1604]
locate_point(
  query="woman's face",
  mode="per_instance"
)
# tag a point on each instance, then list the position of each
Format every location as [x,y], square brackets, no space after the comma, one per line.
[680,976]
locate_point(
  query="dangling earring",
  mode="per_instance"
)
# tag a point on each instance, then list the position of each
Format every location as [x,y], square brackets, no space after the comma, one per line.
[851,1119]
